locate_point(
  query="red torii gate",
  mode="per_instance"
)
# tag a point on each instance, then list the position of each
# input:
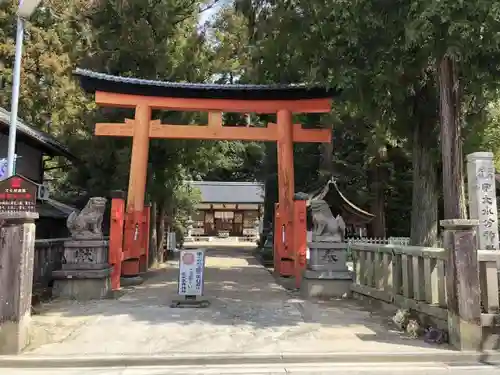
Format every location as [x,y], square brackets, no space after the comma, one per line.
[130,224]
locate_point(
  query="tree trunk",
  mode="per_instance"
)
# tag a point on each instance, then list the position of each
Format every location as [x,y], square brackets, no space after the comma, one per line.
[378,182]
[326,163]
[451,142]
[154,254]
[160,223]
[425,196]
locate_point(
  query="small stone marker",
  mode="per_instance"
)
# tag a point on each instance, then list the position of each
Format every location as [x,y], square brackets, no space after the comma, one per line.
[191,279]
[482,198]
[462,284]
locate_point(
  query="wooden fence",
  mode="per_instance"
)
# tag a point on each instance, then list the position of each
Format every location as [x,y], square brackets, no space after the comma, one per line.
[404,241]
[48,258]
[415,277]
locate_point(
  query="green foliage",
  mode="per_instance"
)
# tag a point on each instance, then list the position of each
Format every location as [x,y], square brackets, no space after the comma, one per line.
[484,133]
[382,54]
[50,99]
[182,202]
[229,42]
[155,39]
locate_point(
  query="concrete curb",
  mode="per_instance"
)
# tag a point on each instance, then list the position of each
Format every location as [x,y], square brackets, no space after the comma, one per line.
[444,357]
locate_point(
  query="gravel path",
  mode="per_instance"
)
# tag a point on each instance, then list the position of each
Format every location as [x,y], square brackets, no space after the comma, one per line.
[249,313]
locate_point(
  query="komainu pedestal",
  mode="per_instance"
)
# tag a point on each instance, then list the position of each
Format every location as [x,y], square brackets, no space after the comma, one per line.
[85,273]
[326,274]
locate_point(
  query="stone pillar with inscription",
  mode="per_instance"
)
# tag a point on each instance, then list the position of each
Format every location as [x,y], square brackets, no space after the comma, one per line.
[463,292]
[482,198]
[327,274]
[86,272]
[17,247]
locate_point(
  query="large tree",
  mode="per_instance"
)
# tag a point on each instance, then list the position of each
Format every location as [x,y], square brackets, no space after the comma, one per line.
[49,98]
[155,39]
[408,66]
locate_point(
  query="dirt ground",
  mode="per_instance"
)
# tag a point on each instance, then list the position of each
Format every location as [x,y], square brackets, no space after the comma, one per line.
[249,312]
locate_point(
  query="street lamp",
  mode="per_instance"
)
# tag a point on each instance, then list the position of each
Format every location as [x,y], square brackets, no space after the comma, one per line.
[24,11]
[27,7]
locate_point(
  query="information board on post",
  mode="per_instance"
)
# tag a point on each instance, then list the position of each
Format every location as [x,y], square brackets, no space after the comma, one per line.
[191,270]
[18,194]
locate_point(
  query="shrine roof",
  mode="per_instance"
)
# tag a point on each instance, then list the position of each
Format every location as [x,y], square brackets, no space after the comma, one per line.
[93,81]
[230,192]
[54,209]
[331,193]
[34,137]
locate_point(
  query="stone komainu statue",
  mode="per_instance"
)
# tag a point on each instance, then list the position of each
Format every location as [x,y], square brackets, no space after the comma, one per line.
[88,222]
[325,226]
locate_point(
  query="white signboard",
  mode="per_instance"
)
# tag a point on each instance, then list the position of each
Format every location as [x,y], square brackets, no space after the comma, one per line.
[191,267]
[3,167]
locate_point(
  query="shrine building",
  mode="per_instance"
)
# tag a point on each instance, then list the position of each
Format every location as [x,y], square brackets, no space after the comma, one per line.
[33,149]
[228,209]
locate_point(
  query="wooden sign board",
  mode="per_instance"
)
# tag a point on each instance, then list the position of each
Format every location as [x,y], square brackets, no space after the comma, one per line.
[203,206]
[223,206]
[18,194]
[248,206]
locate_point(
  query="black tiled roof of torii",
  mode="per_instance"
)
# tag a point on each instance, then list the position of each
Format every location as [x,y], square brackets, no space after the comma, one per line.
[93,81]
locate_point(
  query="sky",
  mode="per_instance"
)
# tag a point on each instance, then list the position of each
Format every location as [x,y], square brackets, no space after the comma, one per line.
[207,15]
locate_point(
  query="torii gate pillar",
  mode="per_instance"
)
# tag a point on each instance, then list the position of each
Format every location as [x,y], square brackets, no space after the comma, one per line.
[286,185]
[134,236]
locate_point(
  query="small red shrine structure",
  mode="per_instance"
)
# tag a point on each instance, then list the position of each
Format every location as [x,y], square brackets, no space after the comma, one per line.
[129,226]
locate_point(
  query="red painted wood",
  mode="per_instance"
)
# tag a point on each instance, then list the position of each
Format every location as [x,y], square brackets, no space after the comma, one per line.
[287,267]
[144,258]
[139,160]
[300,239]
[277,248]
[286,187]
[111,99]
[131,244]
[116,240]
[130,267]
[166,131]
[283,263]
